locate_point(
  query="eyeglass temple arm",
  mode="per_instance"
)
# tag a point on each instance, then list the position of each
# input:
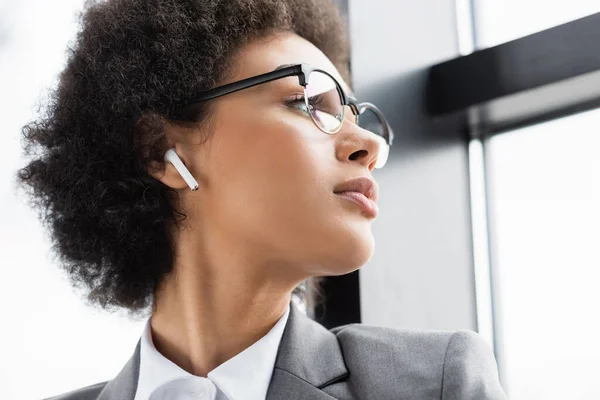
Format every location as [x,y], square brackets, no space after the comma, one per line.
[249,82]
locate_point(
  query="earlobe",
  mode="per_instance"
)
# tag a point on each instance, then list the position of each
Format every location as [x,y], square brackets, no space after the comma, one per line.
[172,157]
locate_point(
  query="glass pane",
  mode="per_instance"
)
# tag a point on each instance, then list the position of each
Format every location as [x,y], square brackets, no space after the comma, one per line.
[500,21]
[544,185]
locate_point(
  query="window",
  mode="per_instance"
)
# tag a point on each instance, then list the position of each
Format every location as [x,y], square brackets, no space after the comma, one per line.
[534,103]
[499,21]
[544,196]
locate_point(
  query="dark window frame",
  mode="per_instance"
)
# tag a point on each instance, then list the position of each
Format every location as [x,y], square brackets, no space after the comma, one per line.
[536,78]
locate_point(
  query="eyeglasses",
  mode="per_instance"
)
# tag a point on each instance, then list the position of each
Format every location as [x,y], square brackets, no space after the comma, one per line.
[324,99]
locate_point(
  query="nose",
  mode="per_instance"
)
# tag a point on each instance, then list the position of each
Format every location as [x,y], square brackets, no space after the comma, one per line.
[357,145]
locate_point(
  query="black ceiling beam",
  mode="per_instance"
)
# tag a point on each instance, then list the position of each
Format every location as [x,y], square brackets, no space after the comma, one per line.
[498,74]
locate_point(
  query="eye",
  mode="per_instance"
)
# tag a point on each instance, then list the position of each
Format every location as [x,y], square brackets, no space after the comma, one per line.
[299,103]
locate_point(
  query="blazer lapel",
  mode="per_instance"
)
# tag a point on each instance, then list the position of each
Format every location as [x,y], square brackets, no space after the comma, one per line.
[124,385]
[308,360]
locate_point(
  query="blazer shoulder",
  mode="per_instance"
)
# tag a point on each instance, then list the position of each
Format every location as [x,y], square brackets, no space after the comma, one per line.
[416,350]
[470,369]
[85,393]
[456,364]
[393,363]
[399,338]
[458,346]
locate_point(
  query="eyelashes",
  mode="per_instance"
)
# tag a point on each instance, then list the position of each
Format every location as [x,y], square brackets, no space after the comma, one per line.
[313,101]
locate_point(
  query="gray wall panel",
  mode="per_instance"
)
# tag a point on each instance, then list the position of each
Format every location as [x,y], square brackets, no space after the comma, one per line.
[421,274]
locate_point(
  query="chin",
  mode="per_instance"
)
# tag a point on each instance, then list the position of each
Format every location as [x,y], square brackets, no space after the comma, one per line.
[351,255]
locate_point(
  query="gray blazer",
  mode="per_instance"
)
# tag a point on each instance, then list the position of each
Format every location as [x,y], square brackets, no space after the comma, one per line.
[356,362]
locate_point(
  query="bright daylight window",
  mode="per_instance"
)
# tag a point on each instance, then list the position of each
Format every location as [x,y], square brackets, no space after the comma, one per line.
[544,192]
[500,21]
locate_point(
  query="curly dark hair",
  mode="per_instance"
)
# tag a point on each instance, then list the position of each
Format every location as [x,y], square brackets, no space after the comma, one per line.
[103,127]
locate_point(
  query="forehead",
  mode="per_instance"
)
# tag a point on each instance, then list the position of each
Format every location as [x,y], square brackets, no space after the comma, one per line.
[286,48]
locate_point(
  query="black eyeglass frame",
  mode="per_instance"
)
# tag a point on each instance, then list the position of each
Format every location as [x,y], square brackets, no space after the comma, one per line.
[303,71]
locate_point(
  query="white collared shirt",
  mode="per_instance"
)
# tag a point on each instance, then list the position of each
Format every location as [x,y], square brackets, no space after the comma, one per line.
[246,376]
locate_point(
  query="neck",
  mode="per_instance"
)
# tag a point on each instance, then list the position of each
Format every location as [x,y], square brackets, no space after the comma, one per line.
[207,312]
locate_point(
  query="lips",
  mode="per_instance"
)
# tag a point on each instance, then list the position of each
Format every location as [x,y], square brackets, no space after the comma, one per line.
[367,205]
[361,191]
[363,185]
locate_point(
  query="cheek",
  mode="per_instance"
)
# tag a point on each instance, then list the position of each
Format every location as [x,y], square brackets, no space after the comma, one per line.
[275,190]
[270,173]
[274,169]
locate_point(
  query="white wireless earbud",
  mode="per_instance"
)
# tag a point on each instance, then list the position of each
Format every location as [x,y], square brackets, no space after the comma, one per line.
[172,157]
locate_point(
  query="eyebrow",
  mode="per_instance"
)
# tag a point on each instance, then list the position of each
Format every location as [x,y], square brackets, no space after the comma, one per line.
[283,66]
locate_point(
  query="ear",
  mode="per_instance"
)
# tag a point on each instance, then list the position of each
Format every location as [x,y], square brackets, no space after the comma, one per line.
[175,171]
[172,158]
[153,130]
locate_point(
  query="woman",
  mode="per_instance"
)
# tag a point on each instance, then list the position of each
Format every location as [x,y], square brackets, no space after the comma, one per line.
[202,160]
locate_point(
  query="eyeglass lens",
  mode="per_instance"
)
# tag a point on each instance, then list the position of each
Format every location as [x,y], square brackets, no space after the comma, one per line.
[324,102]
[325,105]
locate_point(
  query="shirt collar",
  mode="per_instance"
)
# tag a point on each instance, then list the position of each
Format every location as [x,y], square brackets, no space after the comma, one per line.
[245,376]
